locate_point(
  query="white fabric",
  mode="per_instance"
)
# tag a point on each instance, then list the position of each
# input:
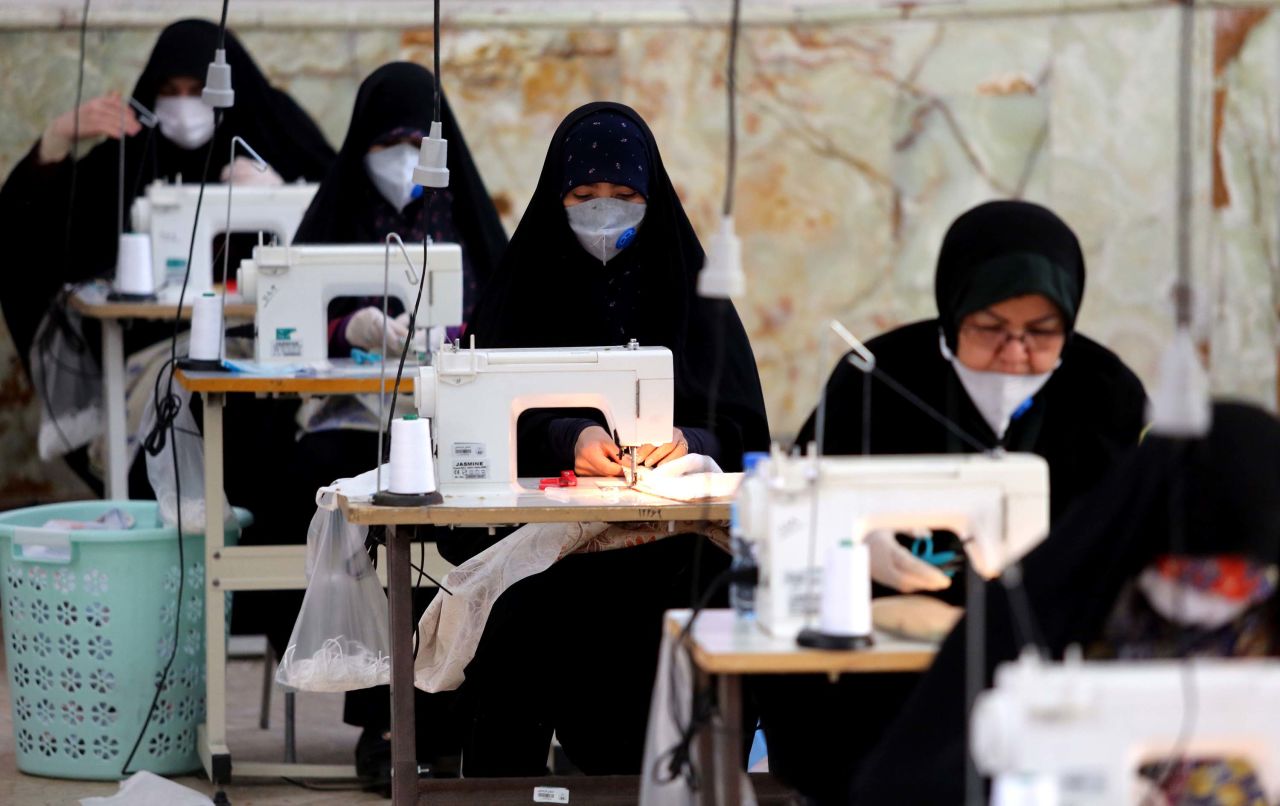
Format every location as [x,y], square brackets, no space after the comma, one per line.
[148,789]
[996,395]
[671,694]
[187,121]
[692,477]
[450,629]
[893,565]
[356,488]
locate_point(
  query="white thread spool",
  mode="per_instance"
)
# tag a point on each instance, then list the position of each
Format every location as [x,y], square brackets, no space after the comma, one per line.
[206,328]
[846,590]
[412,466]
[134,274]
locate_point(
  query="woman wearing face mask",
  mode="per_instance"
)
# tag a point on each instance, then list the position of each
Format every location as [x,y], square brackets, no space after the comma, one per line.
[603,254]
[1004,363]
[1173,555]
[40,216]
[368,193]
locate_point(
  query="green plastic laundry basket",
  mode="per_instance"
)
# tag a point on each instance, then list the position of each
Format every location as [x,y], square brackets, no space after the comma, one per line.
[89,617]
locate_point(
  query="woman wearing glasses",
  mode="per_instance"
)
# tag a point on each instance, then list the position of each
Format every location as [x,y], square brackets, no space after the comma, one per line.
[1004,365]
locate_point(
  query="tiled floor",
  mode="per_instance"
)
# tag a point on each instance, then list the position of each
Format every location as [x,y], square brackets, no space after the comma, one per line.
[322,739]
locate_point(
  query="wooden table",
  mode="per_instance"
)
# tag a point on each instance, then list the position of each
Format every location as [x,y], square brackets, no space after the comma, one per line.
[530,506]
[270,567]
[91,301]
[724,648]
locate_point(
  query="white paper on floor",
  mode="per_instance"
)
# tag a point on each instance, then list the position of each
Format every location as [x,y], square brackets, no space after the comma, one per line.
[149,789]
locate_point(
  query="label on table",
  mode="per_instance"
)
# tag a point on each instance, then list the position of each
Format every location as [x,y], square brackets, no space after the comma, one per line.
[550,794]
[470,469]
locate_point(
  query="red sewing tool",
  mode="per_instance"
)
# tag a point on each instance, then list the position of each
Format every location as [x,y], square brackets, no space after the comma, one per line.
[567,479]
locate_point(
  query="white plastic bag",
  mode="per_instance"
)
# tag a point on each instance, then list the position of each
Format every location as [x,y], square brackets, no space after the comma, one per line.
[341,640]
[68,384]
[185,438]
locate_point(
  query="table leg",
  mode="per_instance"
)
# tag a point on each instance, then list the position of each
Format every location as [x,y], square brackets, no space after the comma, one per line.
[117,481]
[728,739]
[404,754]
[215,649]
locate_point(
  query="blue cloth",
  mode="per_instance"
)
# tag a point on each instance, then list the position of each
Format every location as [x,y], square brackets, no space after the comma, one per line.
[605,147]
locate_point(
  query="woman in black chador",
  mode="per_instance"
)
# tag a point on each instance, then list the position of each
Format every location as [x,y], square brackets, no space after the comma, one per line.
[1004,363]
[604,254]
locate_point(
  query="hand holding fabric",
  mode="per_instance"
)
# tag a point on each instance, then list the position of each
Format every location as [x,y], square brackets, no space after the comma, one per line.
[596,454]
[364,330]
[99,117]
[652,456]
[244,171]
[894,566]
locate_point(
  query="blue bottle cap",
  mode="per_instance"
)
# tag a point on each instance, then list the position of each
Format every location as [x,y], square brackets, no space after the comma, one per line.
[752,458]
[417,192]
[624,240]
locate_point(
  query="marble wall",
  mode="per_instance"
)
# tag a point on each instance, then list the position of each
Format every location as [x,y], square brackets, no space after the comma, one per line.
[860,142]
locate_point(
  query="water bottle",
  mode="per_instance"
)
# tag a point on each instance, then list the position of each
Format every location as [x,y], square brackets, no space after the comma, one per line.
[742,593]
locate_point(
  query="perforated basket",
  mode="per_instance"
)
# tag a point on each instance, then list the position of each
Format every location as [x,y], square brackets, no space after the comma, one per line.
[89,619]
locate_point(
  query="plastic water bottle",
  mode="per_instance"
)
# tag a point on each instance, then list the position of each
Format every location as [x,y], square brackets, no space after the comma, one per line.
[742,594]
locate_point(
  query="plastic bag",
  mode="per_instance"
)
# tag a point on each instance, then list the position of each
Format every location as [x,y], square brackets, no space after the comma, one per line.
[68,384]
[341,640]
[185,438]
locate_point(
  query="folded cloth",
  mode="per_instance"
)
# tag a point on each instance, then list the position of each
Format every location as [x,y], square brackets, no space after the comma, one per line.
[450,630]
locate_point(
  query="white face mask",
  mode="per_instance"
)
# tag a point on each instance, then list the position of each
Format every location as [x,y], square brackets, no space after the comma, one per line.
[391,171]
[1000,397]
[605,227]
[187,121]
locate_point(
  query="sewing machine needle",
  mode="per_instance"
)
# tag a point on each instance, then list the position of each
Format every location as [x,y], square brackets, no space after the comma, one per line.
[633,467]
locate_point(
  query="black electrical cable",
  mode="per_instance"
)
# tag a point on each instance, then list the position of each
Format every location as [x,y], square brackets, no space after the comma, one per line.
[167,409]
[413,317]
[435,41]
[731,89]
[222,27]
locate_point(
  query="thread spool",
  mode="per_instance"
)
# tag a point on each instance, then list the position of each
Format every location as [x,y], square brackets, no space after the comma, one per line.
[844,621]
[412,468]
[206,329]
[135,276]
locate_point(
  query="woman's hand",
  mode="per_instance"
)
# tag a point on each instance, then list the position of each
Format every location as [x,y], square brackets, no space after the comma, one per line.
[652,456]
[99,117]
[595,453]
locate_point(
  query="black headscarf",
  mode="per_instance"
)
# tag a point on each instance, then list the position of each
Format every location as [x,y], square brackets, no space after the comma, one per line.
[605,148]
[268,119]
[1004,249]
[400,96]
[548,292]
[1219,495]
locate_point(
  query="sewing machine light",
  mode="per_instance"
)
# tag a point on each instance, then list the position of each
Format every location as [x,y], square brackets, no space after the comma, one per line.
[722,277]
[217,83]
[433,158]
[1181,406]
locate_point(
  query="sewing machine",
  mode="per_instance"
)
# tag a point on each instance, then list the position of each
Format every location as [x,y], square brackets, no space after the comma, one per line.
[1075,733]
[475,397]
[293,286]
[167,210]
[999,505]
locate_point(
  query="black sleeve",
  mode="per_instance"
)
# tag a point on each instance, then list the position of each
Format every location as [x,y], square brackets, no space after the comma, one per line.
[545,439]
[842,430]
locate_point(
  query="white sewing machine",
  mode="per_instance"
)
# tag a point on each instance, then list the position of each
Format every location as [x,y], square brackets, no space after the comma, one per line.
[293,286]
[1075,733]
[166,211]
[998,505]
[475,397]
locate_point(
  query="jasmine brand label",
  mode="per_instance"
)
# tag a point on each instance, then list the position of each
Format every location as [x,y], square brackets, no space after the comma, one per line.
[470,469]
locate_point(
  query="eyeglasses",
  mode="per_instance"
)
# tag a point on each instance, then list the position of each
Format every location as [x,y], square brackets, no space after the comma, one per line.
[995,337]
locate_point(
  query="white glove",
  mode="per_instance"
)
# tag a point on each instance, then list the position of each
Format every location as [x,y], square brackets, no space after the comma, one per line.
[894,566]
[364,330]
[245,171]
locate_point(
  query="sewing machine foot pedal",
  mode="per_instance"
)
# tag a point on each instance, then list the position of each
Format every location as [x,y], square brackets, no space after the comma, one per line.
[388,499]
[815,639]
